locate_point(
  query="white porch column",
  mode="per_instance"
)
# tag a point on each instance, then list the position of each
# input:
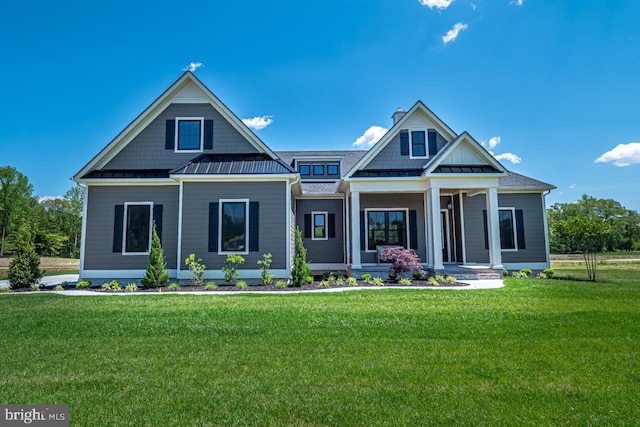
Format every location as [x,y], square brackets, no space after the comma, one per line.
[355,231]
[493,229]
[436,228]
[427,227]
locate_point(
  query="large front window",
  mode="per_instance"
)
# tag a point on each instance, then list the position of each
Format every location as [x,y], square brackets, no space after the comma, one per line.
[386,228]
[233,226]
[137,230]
[507,229]
[189,134]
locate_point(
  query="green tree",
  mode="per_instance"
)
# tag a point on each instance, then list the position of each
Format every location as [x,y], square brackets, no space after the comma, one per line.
[157,274]
[75,197]
[301,273]
[15,197]
[586,235]
[24,268]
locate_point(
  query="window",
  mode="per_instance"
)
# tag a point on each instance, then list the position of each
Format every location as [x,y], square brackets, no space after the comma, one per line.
[305,170]
[189,134]
[318,169]
[506,218]
[386,228]
[234,226]
[319,226]
[137,228]
[332,169]
[418,144]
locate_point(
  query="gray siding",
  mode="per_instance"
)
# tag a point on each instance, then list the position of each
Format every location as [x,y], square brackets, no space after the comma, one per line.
[409,201]
[531,205]
[323,251]
[147,149]
[389,158]
[273,233]
[101,204]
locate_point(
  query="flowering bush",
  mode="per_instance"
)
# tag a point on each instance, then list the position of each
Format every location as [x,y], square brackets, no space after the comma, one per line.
[403,262]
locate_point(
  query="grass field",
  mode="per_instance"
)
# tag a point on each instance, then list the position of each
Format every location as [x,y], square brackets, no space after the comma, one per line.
[51,266]
[537,352]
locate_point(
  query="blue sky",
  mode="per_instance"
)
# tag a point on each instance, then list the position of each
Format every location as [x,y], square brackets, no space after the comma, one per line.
[551,87]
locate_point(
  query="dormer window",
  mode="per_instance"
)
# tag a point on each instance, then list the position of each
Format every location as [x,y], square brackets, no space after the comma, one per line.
[418,144]
[318,169]
[305,170]
[332,169]
[189,134]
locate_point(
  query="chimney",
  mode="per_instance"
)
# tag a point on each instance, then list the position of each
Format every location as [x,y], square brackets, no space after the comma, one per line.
[398,115]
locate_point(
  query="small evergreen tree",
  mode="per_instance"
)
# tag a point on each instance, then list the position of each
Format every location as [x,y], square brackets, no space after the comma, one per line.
[157,274]
[24,271]
[301,273]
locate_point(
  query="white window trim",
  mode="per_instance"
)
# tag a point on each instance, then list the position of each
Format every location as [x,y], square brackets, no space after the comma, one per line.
[124,227]
[313,226]
[426,143]
[366,225]
[246,226]
[515,230]
[177,133]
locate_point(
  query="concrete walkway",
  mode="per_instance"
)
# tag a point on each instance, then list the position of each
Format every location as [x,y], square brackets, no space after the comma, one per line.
[56,280]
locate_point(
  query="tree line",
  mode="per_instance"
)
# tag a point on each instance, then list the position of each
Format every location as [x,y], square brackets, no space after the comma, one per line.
[51,225]
[605,224]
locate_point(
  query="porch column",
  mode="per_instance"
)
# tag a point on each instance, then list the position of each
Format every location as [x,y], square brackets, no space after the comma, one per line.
[493,229]
[355,231]
[436,228]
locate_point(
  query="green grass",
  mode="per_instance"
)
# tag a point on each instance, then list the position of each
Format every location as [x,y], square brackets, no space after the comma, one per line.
[537,352]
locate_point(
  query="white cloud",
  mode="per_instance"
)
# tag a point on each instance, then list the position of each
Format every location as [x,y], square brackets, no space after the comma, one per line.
[47,198]
[259,122]
[452,34]
[473,6]
[516,2]
[572,187]
[438,4]
[623,155]
[513,158]
[493,142]
[370,137]
[193,66]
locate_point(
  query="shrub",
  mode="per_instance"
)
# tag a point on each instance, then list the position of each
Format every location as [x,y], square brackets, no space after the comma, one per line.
[281,284]
[210,286]
[3,289]
[35,287]
[324,283]
[83,284]
[156,274]
[541,275]
[115,285]
[366,278]
[131,287]
[505,273]
[24,271]
[433,281]
[378,281]
[440,278]
[450,280]
[351,281]
[518,275]
[301,273]
[266,278]
[105,286]
[403,261]
[241,284]
[405,281]
[173,287]
[549,272]
[196,269]
[230,269]
[417,275]
[525,272]
[59,288]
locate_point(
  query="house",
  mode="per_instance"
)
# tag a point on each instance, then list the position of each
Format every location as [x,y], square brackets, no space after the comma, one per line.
[215,188]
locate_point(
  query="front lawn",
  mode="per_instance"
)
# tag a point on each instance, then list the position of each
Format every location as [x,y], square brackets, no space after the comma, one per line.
[537,352]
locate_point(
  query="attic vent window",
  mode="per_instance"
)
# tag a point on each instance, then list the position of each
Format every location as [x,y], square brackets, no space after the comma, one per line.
[418,144]
[189,134]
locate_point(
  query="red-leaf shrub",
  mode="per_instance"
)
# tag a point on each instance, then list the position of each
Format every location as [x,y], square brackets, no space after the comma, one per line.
[404,262]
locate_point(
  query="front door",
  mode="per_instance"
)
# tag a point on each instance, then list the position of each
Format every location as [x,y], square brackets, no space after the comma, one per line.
[445,235]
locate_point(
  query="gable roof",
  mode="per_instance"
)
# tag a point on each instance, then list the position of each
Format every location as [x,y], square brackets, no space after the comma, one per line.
[190,89]
[419,106]
[515,181]
[484,162]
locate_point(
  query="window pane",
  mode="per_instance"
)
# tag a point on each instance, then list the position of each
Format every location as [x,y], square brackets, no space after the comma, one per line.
[376,226]
[305,170]
[137,234]
[418,144]
[234,226]
[507,238]
[332,169]
[319,229]
[386,228]
[189,135]
[318,169]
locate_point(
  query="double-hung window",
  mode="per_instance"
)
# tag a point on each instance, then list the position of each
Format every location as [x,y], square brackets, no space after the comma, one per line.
[418,144]
[319,225]
[234,226]
[506,218]
[189,134]
[386,228]
[137,228]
